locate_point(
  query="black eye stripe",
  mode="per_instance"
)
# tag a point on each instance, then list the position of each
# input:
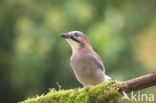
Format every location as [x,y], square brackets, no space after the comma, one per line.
[74,39]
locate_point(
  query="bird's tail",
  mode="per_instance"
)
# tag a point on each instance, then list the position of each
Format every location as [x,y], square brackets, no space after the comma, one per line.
[108,77]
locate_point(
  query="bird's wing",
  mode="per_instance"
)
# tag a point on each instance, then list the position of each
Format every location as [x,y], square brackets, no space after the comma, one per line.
[101,65]
[100,62]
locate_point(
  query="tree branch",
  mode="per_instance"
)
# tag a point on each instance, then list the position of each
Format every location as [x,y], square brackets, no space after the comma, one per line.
[145,81]
[106,92]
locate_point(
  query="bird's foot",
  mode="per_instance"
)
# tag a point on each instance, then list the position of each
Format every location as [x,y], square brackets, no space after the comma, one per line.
[87,88]
[76,89]
[113,81]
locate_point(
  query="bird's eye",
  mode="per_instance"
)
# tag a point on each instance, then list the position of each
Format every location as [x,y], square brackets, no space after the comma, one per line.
[76,34]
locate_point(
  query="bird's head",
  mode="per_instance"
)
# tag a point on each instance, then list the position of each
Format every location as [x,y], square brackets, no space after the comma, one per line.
[76,39]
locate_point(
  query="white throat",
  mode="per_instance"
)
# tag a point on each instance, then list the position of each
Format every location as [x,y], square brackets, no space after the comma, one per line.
[74,45]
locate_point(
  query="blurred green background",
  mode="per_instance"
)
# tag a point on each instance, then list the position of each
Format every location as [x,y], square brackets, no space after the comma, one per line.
[33,56]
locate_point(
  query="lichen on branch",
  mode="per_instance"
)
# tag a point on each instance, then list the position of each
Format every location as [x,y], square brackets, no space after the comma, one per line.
[106,92]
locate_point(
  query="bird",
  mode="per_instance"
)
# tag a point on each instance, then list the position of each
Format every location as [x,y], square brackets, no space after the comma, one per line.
[87,65]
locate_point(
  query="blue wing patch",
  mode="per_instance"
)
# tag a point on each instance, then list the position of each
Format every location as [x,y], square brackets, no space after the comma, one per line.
[102,66]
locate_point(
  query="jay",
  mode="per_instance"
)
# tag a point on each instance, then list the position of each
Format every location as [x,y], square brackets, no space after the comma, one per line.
[86,63]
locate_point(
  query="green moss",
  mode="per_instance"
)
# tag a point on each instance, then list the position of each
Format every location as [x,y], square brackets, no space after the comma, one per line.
[106,92]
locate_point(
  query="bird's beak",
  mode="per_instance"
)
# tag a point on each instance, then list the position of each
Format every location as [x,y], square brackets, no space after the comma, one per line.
[65,35]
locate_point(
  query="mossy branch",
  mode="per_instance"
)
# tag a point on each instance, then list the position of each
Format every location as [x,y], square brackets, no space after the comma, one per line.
[106,92]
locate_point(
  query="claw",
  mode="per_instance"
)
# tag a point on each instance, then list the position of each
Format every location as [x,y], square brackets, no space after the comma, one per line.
[113,81]
[87,88]
[76,89]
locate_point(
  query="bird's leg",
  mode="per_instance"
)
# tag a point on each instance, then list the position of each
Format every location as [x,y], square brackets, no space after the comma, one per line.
[87,88]
[76,89]
[113,81]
